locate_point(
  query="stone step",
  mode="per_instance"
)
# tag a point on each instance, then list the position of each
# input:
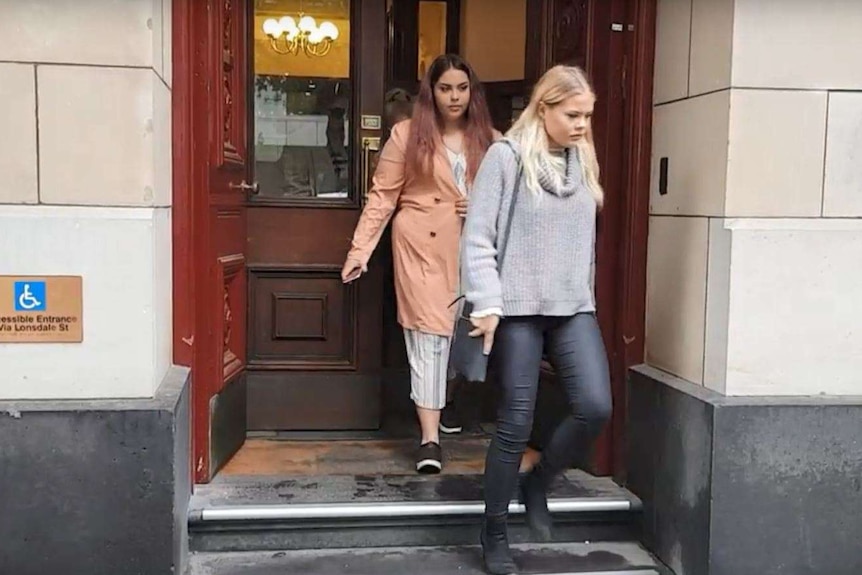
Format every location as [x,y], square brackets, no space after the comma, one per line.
[547,559]
[255,514]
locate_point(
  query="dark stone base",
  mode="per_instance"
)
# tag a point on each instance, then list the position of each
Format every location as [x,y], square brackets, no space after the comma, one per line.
[96,486]
[746,485]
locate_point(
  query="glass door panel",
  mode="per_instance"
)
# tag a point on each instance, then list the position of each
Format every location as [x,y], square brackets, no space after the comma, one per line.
[303,100]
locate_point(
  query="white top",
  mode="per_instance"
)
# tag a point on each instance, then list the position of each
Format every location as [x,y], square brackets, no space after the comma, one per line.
[459,169]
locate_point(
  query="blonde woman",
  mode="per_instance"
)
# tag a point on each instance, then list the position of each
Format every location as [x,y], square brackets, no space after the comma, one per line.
[539,296]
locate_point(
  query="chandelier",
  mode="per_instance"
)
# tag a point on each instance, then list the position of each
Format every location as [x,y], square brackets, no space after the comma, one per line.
[286,36]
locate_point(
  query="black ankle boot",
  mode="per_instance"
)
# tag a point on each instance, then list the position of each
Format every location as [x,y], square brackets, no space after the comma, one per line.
[495,547]
[533,495]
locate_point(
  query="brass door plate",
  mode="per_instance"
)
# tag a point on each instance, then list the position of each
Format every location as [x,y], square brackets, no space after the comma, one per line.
[371,122]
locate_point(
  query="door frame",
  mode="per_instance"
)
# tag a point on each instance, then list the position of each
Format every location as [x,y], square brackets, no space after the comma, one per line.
[637,143]
[189,36]
[187,183]
[627,79]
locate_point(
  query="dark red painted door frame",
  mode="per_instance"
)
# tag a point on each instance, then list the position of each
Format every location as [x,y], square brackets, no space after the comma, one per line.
[614,41]
[638,70]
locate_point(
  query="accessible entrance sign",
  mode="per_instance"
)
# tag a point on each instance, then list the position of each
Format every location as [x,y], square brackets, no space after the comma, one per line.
[46,309]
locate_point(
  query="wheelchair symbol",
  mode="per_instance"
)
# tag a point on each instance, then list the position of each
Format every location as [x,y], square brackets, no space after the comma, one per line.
[27,300]
[29,296]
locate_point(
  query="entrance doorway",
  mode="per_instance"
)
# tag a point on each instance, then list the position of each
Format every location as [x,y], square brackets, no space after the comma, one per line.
[317,349]
[276,342]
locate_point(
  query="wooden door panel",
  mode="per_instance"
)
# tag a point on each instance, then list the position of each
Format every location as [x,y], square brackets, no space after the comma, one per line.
[304,320]
[228,170]
[229,127]
[229,217]
[299,236]
[231,330]
[315,401]
[226,304]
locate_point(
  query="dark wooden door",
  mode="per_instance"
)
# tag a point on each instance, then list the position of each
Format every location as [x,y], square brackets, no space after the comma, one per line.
[314,343]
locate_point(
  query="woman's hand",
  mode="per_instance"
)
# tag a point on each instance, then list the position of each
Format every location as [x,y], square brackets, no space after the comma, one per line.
[485,327]
[352,270]
[461,207]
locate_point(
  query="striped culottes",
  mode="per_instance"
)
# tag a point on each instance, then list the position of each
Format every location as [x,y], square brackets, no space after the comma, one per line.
[428,355]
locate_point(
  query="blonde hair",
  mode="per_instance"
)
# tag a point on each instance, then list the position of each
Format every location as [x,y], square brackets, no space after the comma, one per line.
[557,84]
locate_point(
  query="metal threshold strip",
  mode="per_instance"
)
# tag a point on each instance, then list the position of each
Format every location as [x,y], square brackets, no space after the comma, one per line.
[636,571]
[391,509]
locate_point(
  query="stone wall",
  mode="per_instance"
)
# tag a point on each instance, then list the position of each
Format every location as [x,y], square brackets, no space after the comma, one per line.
[85,113]
[755,241]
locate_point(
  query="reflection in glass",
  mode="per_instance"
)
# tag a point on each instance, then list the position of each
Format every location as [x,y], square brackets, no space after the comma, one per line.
[302,104]
[432,34]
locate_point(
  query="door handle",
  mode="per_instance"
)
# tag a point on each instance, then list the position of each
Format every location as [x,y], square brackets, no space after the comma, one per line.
[370,144]
[253,188]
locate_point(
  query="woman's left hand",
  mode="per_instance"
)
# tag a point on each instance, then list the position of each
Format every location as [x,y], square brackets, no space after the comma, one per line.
[461,207]
[485,327]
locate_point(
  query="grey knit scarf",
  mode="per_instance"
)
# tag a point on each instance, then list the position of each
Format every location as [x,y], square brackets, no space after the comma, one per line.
[550,180]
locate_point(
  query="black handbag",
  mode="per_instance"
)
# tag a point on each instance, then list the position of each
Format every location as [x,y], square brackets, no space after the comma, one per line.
[466,356]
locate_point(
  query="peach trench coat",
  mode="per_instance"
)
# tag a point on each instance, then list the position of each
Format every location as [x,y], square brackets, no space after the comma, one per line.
[426,235]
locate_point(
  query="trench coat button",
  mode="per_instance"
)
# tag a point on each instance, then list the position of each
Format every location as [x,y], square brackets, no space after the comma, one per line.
[436,200]
[433,234]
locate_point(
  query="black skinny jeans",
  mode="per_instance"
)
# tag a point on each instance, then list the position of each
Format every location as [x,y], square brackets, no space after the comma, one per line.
[577,354]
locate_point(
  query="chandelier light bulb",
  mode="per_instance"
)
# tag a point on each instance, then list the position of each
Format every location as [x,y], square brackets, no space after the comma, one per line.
[315,37]
[329,30]
[287,23]
[271,27]
[300,35]
[307,24]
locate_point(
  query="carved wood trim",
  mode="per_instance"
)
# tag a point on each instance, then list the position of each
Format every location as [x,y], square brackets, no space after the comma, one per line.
[571,48]
[229,71]
[233,290]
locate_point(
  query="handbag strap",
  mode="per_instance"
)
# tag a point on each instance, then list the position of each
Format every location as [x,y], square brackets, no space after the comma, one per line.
[515,190]
[502,250]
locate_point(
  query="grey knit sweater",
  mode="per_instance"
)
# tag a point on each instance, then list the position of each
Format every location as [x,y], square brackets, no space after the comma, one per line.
[547,267]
